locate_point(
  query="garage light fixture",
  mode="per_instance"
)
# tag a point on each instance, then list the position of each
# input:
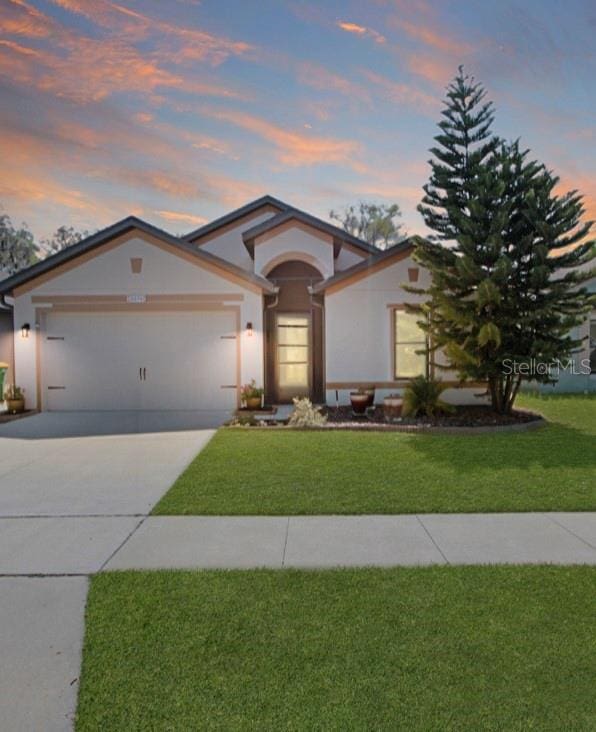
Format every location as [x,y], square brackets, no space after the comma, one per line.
[25,328]
[249,328]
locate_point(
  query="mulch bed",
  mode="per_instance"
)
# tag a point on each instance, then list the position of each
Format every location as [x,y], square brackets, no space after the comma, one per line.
[463,416]
[7,417]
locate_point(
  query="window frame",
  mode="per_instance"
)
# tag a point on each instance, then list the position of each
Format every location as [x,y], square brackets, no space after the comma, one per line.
[394,343]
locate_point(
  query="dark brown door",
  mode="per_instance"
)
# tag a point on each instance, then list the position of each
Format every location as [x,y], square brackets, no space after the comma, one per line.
[294,364]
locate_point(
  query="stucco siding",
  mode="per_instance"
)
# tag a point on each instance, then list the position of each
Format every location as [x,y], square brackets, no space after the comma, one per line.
[347,258]
[294,242]
[358,324]
[359,337]
[163,273]
[229,245]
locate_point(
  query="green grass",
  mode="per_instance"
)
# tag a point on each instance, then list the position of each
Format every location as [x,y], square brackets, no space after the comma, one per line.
[442,648]
[299,472]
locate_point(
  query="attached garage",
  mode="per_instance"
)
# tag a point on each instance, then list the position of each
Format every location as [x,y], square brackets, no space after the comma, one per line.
[139,360]
[134,319]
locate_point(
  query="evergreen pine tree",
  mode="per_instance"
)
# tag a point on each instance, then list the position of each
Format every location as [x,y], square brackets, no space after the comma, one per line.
[505,286]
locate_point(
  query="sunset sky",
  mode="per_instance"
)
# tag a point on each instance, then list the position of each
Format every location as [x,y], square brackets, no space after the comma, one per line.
[179,111]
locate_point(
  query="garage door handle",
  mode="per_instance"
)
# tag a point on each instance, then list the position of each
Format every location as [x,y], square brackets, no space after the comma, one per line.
[144,374]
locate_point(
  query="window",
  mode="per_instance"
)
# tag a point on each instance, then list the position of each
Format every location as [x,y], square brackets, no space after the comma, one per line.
[408,339]
[593,346]
[293,351]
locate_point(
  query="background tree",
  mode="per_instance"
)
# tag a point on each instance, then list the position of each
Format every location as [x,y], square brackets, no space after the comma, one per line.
[375,223]
[62,238]
[17,247]
[505,289]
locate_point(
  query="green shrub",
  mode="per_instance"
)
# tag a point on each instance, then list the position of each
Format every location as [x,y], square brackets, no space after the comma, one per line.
[423,397]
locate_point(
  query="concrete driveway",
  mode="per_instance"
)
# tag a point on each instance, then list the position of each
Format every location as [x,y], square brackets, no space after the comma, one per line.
[73,488]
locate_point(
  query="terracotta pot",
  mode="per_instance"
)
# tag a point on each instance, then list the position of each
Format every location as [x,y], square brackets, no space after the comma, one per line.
[253,402]
[392,406]
[359,402]
[371,396]
[15,406]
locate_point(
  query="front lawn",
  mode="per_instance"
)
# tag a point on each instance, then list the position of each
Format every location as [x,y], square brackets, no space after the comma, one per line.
[441,648]
[248,472]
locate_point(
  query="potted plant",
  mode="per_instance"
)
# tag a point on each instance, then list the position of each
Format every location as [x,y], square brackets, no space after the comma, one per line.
[360,401]
[251,395]
[15,399]
[370,392]
[392,406]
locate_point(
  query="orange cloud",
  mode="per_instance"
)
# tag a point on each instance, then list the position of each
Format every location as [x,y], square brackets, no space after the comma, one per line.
[586,185]
[294,148]
[403,93]
[184,218]
[437,39]
[436,70]
[361,30]
[39,165]
[198,45]
[19,18]
[89,69]
[318,77]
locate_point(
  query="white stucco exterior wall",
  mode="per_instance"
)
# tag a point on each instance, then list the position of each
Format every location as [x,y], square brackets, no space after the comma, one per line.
[359,332]
[347,258]
[229,245]
[294,242]
[358,324]
[163,273]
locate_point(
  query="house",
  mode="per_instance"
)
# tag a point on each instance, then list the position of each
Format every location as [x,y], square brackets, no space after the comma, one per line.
[577,375]
[135,318]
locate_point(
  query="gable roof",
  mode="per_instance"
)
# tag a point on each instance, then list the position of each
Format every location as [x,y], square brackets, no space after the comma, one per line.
[368,266]
[130,223]
[238,213]
[295,214]
[286,212]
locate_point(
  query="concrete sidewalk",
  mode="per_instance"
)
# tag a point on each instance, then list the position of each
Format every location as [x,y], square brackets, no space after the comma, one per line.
[331,541]
[73,487]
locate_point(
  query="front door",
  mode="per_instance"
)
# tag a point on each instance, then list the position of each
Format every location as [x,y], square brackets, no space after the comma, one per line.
[293,359]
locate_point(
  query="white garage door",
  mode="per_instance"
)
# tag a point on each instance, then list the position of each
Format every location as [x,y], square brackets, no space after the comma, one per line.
[118,360]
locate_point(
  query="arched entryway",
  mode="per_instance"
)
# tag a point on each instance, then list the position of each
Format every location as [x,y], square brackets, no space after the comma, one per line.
[294,335]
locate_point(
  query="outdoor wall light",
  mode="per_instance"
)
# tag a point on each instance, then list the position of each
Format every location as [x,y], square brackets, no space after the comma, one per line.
[249,328]
[25,328]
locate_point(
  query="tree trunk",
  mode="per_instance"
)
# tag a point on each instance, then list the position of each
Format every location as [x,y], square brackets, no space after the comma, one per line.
[495,384]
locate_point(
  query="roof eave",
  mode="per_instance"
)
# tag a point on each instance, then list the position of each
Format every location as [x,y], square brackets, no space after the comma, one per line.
[232,216]
[130,223]
[339,237]
[366,265]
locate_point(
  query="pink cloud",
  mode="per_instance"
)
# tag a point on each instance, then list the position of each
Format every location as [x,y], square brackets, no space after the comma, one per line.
[87,69]
[184,218]
[198,44]
[437,39]
[318,77]
[361,30]
[294,148]
[403,94]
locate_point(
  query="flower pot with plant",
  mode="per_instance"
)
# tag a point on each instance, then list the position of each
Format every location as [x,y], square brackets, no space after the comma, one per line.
[251,395]
[370,392]
[15,399]
[392,406]
[360,400]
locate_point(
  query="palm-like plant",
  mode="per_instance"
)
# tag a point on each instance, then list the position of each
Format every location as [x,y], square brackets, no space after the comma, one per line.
[423,396]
